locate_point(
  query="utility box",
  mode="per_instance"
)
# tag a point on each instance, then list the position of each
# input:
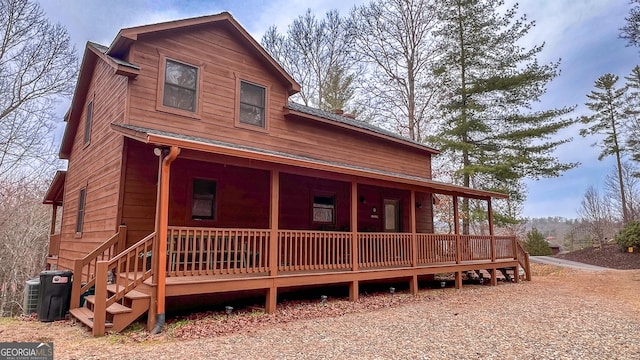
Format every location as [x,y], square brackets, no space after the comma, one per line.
[31,290]
[54,295]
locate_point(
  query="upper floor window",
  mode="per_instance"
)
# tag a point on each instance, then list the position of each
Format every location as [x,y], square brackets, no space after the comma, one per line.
[252,104]
[80,214]
[87,123]
[180,86]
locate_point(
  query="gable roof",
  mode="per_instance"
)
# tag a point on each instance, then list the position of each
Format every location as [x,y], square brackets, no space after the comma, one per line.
[92,53]
[344,121]
[128,36]
[159,137]
[56,189]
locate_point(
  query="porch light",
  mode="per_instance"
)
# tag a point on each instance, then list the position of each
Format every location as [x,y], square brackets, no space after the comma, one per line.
[392,290]
[323,299]
[228,310]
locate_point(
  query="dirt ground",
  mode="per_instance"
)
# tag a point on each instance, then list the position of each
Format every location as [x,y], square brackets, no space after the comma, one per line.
[557,315]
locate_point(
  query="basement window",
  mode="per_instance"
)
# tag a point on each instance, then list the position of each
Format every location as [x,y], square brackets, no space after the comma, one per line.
[204,200]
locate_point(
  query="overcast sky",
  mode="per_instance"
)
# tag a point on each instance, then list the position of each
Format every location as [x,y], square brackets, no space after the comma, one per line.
[582,33]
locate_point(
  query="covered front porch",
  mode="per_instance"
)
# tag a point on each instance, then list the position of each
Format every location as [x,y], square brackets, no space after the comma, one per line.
[226,219]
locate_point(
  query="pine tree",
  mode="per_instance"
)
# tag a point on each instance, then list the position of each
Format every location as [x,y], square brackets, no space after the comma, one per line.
[491,83]
[633,111]
[609,115]
[536,245]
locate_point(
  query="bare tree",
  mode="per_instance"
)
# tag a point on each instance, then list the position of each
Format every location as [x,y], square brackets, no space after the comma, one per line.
[595,213]
[317,53]
[631,190]
[24,225]
[38,65]
[394,38]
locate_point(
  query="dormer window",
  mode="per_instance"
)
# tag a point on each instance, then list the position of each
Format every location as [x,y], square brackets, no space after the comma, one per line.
[180,86]
[252,105]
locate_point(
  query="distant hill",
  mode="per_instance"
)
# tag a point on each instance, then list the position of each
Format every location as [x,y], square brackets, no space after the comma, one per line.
[554,229]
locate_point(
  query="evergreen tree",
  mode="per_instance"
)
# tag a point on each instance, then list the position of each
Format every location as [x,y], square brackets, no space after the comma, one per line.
[609,115]
[491,83]
[633,111]
[536,245]
[631,29]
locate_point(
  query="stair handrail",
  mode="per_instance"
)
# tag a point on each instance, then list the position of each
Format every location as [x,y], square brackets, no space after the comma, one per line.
[130,268]
[523,259]
[107,250]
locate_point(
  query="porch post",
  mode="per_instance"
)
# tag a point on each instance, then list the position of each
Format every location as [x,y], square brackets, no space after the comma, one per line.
[494,272]
[272,295]
[354,286]
[414,244]
[54,215]
[493,238]
[456,227]
[161,235]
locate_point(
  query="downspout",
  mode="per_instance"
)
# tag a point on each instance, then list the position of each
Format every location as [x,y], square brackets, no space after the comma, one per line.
[161,234]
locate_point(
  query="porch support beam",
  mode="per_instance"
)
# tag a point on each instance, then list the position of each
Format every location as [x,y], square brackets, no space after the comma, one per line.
[54,215]
[354,226]
[161,230]
[272,292]
[458,279]
[413,286]
[494,276]
[493,238]
[272,298]
[354,290]
[273,220]
[456,229]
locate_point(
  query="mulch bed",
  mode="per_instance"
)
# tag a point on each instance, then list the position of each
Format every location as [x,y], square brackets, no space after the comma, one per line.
[610,256]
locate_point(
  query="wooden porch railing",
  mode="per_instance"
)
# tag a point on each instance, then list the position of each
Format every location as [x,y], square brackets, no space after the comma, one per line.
[313,250]
[384,249]
[504,247]
[212,251]
[436,248]
[523,259]
[207,251]
[85,269]
[475,247]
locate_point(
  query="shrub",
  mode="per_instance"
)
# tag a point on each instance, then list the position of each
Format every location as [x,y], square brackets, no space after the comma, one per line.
[536,245]
[629,235]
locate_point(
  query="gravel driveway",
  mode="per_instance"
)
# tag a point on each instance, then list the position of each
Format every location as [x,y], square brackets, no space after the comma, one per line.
[561,314]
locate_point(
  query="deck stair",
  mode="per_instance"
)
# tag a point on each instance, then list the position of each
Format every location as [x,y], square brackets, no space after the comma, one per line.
[119,314]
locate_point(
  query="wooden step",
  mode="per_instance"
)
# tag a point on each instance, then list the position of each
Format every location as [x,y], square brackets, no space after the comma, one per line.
[85,316]
[132,294]
[113,309]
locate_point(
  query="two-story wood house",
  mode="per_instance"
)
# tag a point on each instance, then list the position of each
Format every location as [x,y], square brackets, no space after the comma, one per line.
[190,172]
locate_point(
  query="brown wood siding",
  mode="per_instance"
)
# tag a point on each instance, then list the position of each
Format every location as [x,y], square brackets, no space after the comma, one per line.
[373,197]
[96,166]
[296,197]
[139,198]
[424,213]
[242,195]
[224,61]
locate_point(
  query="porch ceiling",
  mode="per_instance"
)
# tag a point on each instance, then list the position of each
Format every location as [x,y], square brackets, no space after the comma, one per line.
[164,138]
[56,189]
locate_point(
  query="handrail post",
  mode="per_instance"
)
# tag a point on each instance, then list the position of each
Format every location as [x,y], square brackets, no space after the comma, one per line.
[100,304]
[122,238]
[76,284]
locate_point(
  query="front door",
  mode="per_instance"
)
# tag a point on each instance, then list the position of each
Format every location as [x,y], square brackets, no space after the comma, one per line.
[391,215]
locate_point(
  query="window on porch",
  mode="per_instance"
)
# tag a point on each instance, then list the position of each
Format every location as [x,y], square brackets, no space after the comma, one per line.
[203,200]
[324,209]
